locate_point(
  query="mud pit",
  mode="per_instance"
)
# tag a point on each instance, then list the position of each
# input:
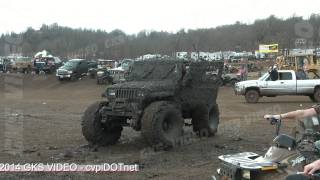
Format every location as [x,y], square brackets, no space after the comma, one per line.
[40,123]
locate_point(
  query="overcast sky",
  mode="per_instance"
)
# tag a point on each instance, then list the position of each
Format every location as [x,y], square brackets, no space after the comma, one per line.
[132,16]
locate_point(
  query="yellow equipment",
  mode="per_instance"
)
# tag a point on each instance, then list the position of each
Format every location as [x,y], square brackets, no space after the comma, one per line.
[299,61]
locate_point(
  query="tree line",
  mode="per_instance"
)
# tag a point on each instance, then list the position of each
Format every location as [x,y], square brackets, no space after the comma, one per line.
[87,43]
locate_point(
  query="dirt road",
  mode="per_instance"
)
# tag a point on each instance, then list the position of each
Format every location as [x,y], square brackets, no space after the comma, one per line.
[40,121]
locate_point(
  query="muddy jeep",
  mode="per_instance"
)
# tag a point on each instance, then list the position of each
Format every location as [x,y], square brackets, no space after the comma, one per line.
[156,99]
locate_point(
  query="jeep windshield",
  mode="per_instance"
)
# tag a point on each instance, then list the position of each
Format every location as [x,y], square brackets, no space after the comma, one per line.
[157,71]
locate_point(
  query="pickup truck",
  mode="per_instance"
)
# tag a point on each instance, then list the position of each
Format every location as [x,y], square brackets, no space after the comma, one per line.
[289,82]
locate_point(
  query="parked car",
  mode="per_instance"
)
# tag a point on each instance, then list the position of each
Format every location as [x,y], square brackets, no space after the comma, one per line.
[104,76]
[22,64]
[5,65]
[117,74]
[46,64]
[106,64]
[92,69]
[74,69]
[289,82]
[230,79]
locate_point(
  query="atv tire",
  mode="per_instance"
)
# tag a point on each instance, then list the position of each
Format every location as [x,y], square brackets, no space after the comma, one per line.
[162,124]
[252,96]
[205,120]
[94,131]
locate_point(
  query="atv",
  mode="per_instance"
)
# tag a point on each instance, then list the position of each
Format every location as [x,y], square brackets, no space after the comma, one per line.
[156,98]
[287,156]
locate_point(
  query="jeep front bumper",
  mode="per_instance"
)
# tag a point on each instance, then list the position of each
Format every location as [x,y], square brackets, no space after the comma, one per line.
[122,108]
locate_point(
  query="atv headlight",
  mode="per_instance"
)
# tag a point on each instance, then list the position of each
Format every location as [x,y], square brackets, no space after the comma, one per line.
[246,174]
[111,92]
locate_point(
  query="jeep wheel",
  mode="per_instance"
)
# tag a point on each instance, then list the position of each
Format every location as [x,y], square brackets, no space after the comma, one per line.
[252,96]
[162,124]
[94,131]
[316,95]
[205,120]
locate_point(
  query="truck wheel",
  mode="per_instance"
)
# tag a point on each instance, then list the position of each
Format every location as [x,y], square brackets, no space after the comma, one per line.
[316,95]
[73,77]
[94,131]
[252,96]
[162,124]
[205,120]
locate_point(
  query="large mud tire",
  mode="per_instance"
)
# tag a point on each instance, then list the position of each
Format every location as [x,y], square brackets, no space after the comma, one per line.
[93,130]
[162,124]
[205,120]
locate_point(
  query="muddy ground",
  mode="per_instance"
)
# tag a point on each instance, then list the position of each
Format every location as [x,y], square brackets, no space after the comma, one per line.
[40,121]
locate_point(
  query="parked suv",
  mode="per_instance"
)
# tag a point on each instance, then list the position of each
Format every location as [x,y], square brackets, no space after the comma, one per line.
[74,69]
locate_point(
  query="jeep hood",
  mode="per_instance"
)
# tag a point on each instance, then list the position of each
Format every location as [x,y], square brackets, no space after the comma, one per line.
[147,85]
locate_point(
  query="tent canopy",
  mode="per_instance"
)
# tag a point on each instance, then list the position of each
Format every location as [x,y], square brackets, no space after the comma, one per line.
[43,53]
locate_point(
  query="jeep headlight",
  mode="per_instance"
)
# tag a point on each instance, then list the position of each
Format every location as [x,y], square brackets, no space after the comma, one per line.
[246,174]
[140,94]
[111,92]
[100,73]
[69,72]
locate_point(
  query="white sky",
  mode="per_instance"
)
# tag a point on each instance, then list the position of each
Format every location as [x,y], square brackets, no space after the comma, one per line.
[132,16]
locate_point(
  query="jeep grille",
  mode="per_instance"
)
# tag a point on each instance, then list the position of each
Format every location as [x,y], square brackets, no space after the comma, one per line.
[126,93]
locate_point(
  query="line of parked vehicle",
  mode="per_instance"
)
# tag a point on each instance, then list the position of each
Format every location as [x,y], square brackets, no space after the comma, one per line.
[104,71]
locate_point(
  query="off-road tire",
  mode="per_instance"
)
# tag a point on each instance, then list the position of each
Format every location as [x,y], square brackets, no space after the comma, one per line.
[94,132]
[252,96]
[205,120]
[316,95]
[162,124]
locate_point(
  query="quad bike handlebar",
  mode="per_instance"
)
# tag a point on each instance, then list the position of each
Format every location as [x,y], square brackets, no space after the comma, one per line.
[276,122]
